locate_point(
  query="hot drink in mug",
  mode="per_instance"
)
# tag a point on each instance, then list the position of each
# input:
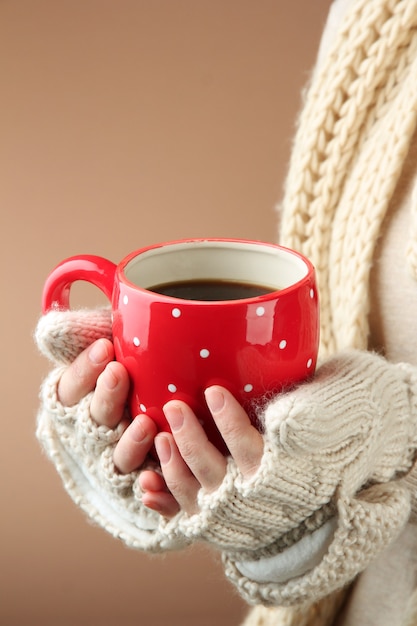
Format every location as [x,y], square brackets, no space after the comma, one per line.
[193,313]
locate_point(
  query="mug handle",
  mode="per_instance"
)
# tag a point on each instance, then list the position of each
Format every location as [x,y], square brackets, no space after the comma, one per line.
[93,269]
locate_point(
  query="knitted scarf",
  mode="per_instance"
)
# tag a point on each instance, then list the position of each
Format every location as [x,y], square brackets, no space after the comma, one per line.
[353,135]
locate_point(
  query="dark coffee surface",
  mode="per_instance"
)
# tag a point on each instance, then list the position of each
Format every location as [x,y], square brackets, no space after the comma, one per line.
[211,290]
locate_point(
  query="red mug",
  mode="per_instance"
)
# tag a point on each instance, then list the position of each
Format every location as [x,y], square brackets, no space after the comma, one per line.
[190,314]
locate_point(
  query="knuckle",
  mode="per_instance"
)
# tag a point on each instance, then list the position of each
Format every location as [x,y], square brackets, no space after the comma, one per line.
[105,406]
[249,466]
[189,452]
[104,411]
[79,373]
[175,486]
[231,432]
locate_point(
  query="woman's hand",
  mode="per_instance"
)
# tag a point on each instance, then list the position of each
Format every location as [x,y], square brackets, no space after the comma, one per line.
[190,462]
[95,370]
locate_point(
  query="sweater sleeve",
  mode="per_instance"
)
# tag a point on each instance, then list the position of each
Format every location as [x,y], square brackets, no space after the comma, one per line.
[335,486]
[81,450]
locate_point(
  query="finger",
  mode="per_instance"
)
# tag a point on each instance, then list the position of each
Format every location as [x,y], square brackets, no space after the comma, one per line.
[81,376]
[110,396]
[182,484]
[134,445]
[162,502]
[243,440]
[150,480]
[156,495]
[205,461]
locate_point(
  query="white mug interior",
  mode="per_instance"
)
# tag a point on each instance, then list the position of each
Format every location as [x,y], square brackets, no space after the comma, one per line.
[247,262]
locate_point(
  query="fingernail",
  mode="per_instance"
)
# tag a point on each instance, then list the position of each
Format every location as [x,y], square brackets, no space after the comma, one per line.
[215,399]
[98,352]
[163,449]
[175,416]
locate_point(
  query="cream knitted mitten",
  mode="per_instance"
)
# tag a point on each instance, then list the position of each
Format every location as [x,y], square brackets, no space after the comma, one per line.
[82,451]
[62,335]
[331,491]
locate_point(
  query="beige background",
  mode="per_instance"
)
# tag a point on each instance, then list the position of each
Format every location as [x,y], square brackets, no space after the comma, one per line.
[125,123]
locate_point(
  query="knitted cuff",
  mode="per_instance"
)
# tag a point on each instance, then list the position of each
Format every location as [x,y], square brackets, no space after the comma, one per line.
[349,427]
[263,514]
[366,524]
[62,335]
[82,453]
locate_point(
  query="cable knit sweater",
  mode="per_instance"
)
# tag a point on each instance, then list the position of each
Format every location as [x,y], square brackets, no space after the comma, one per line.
[337,483]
